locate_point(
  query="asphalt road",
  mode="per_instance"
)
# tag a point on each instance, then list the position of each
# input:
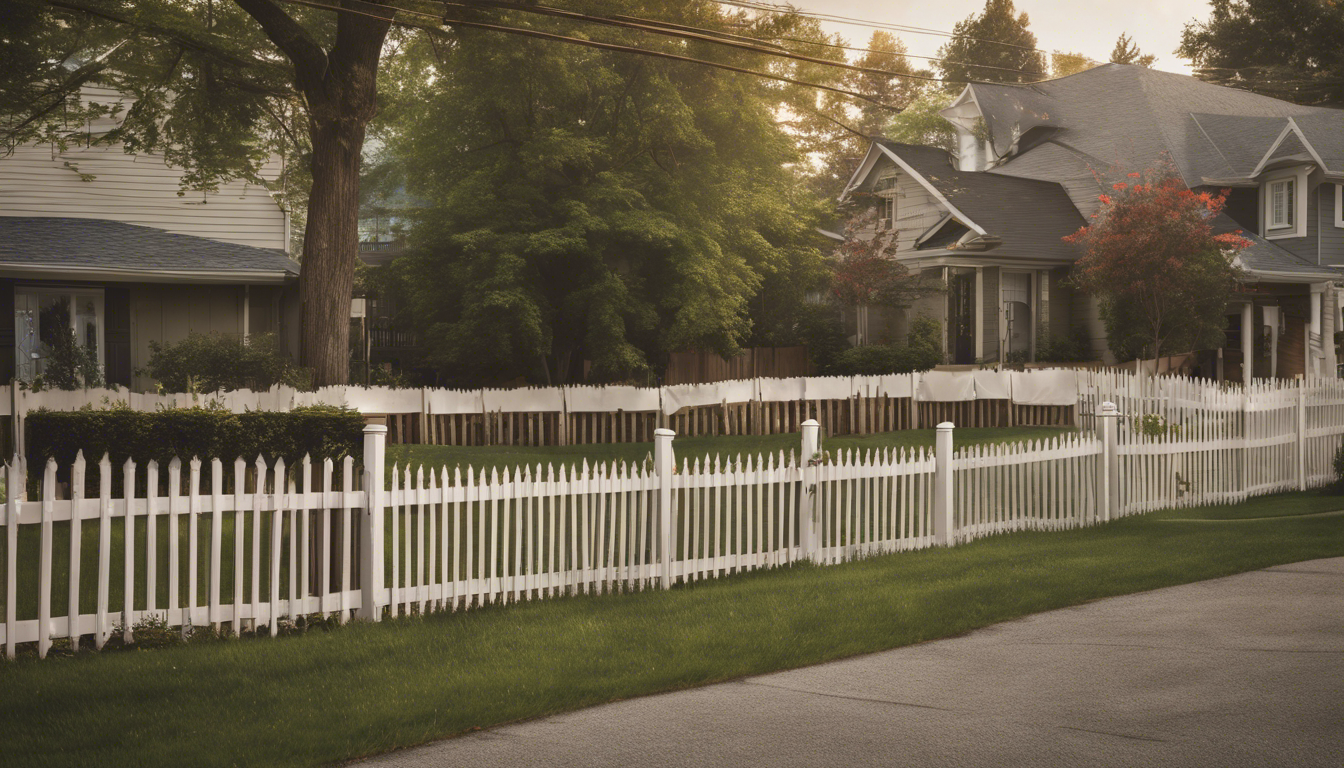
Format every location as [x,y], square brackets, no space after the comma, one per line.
[1242,671]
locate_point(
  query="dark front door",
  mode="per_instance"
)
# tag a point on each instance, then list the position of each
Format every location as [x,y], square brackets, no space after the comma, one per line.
[961,317]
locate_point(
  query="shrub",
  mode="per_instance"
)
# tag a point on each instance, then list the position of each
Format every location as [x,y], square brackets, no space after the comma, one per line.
[319,431]
[1338,466]
[1153,425]
[922,351]
[215,362]
[1075,348]
[69,364]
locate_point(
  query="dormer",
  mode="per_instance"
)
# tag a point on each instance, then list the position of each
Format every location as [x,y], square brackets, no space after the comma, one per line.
[973,149]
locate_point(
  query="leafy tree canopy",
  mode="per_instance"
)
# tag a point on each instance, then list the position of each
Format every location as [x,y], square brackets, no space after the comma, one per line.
[1288,49]
[591,206]
[997,38]
[1163,277]
[1065,64]
[921,125]
[1126,52]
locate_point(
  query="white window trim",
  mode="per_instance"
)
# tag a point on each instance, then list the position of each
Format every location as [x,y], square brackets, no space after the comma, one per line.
[1339,205]
[1299,226]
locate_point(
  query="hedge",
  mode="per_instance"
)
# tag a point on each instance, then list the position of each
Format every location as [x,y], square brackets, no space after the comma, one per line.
[319,431]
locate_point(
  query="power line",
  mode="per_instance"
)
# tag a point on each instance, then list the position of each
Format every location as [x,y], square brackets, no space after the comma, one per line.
[785,10]
[646,26]
[907,55]
[589,44]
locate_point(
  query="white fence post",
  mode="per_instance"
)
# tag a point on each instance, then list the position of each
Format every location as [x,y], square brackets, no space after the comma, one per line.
[943,520]
[664,465]
[1108,469]
[808,541]
[1302,433]
[371,538]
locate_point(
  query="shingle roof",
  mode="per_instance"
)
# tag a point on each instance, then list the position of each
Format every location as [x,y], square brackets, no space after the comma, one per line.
[1265,257]
[1129,116]
[98,244]
[1031,216]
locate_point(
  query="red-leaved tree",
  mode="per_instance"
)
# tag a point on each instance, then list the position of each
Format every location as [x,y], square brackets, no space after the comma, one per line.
[1163,277]
[865,271]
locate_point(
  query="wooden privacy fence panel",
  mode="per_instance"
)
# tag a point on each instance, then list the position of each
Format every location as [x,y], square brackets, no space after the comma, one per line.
[194,545]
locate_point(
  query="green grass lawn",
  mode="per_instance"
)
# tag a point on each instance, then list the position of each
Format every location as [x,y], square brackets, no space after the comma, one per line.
[325,696]
[691,448]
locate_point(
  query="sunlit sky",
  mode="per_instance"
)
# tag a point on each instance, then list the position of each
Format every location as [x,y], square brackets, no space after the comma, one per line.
[1081,26]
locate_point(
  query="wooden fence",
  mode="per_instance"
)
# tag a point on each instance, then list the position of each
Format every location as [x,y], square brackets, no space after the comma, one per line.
[274,544]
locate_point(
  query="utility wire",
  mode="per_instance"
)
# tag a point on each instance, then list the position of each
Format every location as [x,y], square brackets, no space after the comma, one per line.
[754,46]
[665,28]
[786,10]
[589,44]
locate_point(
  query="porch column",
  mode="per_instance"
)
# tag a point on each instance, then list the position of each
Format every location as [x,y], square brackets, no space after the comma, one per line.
[1330,302]
[1247,343]
[1272,321]
[979,313]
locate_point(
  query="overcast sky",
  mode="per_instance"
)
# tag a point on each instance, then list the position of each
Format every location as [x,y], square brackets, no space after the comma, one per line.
[1082,26]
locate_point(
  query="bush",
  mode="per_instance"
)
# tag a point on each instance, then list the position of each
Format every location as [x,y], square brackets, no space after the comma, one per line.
[215,362]
[1153,425]
[1076,348]
[922,351]
[319,431]
[1338,466]
[69,364]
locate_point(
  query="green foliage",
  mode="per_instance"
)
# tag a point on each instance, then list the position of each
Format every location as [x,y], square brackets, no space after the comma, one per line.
[979,42]
[319,431]
[1074,348]
[921,125]
[921,352]
[598,208]
[1153,425]
[218,362]
[1288,49]
[1126,52]
[69,364]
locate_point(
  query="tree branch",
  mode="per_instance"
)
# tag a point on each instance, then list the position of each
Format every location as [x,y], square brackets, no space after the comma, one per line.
[310,61]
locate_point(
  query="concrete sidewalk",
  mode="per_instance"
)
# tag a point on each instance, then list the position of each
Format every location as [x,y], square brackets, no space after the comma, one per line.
[1241,671]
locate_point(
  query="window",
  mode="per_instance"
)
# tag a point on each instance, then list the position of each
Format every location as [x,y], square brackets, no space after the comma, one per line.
[1284,203]
[40,313]
[1281,203]
[887,211]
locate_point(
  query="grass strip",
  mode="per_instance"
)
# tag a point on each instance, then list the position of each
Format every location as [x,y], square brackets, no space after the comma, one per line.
[690,448]
[326,696]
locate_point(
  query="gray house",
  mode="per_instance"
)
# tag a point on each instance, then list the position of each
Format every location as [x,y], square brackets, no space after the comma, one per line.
[107,242]
[1032,162]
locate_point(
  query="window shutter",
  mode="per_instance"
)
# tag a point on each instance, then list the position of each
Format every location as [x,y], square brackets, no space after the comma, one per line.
[117,335]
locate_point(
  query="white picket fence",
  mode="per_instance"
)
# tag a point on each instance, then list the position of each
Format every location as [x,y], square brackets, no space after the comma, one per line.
[266,543]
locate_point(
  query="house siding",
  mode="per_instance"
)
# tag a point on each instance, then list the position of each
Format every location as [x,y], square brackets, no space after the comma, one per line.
[1331,237]
[135,189]
[916,211]
[166,314]
[990,313]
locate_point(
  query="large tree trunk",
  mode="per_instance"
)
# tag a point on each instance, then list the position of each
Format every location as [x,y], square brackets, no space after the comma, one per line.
[340,86]
[330,247]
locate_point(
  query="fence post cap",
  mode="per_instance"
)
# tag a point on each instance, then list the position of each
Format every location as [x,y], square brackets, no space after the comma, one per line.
[1109,409]
[811,423]
[374,429]
[664,432]
[946,426]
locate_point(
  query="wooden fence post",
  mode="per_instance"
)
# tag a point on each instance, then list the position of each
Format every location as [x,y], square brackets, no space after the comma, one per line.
[807,504]
[943,520]
[371,540]
[1108,475]
[664,464]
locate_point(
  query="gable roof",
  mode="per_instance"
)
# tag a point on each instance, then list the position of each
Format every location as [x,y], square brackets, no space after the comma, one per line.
[1030,216]
[1128,115]
[111,250]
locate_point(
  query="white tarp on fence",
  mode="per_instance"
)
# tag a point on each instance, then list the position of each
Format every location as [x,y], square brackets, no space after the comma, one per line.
[524,400]
[680,396]
[609,399]
[991,385]
[946,386]
[1052,387]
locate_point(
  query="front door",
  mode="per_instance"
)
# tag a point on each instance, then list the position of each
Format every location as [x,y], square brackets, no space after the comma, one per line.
[961,318]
